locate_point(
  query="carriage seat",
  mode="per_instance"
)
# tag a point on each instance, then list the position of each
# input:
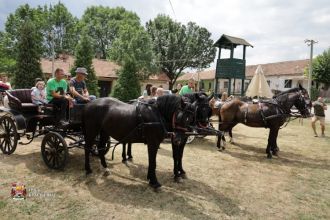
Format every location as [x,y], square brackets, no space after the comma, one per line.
[20,100]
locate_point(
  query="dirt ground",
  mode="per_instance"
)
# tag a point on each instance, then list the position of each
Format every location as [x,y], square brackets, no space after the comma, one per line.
[239,183]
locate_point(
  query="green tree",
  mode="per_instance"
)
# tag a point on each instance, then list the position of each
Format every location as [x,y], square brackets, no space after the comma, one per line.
[103,24]
[55,24]
[127,87]
[28,53]
[84,58]
[178,46]
[132,49]
[321,68]
[7,63]
[63,26]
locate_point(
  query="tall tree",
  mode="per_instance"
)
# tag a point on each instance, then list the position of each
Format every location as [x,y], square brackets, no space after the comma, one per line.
[132,49]
[63,28]
[7,62]
[55,24]
[321,68]
[84,58]
[178,46]
[103,24]
[28,53]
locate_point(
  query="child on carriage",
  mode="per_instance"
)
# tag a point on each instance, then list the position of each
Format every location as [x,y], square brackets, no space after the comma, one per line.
[38,94]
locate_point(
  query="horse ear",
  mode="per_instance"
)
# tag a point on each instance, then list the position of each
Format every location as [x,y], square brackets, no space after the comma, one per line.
[300,87]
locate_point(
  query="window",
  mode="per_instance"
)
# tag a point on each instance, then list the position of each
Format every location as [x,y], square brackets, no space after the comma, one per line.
[210,85]
[268,81]
[225,85]
[202,85]
[288,83]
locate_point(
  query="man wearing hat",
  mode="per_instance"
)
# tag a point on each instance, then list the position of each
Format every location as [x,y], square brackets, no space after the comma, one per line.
[78,87]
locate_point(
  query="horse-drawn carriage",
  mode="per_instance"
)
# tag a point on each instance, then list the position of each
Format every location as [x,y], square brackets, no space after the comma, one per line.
[25,119]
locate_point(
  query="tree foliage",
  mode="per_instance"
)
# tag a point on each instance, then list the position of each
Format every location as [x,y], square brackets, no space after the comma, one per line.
[103,24]
[55,24]
[7,63]
[321,68]
[132,49]
[84,58]
[178,46]
[127,86]
[28,54]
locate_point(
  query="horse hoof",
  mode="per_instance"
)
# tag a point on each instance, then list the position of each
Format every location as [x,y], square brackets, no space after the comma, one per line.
[183,176]
[130,158]
[156,186]
[88,172]
[178,179]
[123,161]
[106,172]
[269,156]
[275,153]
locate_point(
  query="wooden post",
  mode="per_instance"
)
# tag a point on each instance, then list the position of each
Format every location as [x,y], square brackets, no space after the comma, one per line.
[219,54]
[242,89]
[234,86]
[244,52]
[232,51]
[229,87]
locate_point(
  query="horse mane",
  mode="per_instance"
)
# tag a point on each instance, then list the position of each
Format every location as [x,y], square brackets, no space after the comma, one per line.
[167,105]
[286,92]
[192,96]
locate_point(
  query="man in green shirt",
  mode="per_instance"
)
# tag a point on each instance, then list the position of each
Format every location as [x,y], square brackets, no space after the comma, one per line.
[56,94]
[188,88]
[319,107]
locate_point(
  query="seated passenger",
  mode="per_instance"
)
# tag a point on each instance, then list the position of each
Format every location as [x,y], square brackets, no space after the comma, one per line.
[56,95]
[78,87]
[38,93]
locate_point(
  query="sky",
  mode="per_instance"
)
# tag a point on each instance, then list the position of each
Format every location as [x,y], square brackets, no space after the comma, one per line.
[276,28]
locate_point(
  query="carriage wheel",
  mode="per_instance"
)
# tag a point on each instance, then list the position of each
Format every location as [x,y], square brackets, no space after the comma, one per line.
[8,135]
[95,151]
[190,139]
[54,151]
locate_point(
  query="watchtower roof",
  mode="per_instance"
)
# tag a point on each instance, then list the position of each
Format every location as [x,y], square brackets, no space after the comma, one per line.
[226,41]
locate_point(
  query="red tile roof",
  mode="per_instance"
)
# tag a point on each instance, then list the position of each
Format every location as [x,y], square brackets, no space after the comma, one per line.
[103,68]
[294,67]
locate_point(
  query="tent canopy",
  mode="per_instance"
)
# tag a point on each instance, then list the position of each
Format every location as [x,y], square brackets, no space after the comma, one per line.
[259,86]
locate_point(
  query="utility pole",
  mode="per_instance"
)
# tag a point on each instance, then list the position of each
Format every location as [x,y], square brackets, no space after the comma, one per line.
[53,52]
[309,86]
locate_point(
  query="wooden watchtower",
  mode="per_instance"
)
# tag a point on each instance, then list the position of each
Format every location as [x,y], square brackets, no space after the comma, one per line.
[230,68]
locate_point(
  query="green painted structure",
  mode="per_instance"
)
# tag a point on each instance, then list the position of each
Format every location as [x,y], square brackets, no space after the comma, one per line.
[230,68]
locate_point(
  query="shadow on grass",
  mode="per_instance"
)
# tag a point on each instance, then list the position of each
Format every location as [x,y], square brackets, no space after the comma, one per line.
[285,158]
[134,191]
[173,197]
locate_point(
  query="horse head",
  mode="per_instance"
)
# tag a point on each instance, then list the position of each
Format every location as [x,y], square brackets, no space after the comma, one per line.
[303,102]
[203,109]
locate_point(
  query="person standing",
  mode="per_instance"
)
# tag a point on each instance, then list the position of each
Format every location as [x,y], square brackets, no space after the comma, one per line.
[319,107]
[56,94]
[188,88]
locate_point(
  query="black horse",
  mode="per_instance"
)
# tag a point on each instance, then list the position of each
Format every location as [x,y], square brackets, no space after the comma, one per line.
[202,115]
[142,123]
[270,114]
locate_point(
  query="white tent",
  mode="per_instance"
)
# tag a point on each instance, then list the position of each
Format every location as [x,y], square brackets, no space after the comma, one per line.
[258,85]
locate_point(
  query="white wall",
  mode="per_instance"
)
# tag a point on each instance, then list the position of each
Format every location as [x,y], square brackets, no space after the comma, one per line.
[278,82]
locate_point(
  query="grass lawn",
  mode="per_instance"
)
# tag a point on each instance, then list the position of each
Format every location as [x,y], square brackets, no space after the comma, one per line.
[239,183]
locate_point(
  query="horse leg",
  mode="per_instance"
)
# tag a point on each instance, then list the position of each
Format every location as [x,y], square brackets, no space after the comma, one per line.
[275,148]
[101,149]
[230,131]
[152,153]
[270,143]
[129,151]
[175,153]
[123,154]
[180,150]
[89,141]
